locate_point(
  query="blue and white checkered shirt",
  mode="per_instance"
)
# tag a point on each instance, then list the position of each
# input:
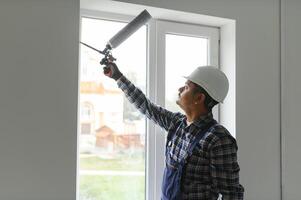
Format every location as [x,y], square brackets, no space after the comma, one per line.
[212,169]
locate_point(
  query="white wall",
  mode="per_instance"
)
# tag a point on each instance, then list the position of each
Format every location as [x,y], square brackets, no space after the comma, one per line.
[38,103]
[38,84]
[291,98]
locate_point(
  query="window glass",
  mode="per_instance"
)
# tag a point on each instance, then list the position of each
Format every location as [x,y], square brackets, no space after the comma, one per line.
[112,144]
[183,55]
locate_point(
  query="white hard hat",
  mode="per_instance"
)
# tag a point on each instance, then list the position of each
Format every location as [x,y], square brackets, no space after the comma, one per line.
[212,80]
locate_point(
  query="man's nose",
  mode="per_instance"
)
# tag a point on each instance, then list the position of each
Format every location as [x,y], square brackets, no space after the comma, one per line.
[180,89]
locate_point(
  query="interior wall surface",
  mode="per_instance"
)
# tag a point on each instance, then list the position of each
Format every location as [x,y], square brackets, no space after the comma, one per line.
[291,98]
[38,104]
[39,81]
[257,86]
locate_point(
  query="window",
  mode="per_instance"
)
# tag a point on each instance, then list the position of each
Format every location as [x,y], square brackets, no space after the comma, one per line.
[182,55]
[123,156]
[112,140]
[86,113]
[85,128]
[176,42]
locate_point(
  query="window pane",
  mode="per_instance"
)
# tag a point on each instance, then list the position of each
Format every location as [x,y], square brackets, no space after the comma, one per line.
[112,138]
[183,55]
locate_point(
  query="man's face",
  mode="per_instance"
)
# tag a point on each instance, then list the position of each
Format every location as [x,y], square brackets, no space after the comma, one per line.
[186,97]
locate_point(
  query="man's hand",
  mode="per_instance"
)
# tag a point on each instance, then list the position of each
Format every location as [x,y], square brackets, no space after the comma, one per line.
[111,70]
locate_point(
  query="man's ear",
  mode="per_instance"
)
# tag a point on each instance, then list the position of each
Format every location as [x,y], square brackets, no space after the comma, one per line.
[200,98]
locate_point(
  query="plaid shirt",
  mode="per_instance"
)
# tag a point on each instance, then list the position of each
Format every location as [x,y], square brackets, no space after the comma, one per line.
[212,168]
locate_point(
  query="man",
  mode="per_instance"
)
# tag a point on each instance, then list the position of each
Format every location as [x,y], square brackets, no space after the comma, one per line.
[201,155]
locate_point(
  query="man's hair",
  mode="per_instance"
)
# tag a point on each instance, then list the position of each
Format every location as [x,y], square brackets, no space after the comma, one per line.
[209,101]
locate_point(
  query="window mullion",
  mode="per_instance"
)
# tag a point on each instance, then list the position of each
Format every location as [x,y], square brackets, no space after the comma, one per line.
[160,100]
[151,128]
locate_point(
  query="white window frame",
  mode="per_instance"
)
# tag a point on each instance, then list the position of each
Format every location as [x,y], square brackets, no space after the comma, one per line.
[156,30]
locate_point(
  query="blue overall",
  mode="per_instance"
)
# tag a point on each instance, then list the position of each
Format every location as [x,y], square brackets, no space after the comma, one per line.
[173,170]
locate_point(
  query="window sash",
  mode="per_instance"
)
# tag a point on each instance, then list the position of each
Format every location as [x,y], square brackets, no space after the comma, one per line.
[163,28]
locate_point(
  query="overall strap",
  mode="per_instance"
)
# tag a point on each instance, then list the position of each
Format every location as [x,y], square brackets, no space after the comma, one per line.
[199,137]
